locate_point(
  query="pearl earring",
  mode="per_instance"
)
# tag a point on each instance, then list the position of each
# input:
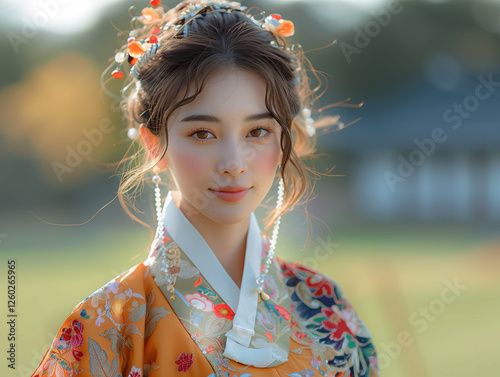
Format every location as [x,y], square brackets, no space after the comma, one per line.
[159,215]
[270,256]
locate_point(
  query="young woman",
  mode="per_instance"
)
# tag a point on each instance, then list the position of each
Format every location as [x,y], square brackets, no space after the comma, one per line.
[220,100]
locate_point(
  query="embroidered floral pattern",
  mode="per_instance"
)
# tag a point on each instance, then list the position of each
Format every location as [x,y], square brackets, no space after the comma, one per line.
[223,311]
[200,301]
[114,308]
[65,354]
[135,372]
[330,321]
[184,362]
[72,336]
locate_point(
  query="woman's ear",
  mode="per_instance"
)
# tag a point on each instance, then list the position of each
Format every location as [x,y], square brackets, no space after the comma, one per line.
[151,143]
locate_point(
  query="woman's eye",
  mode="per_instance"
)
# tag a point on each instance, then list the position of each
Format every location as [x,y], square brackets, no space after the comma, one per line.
[202,134]
[257,134]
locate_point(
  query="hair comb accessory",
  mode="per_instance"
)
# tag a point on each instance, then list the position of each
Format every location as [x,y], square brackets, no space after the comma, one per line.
[143,59]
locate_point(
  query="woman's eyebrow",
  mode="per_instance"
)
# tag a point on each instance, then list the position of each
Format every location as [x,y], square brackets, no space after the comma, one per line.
[210,118]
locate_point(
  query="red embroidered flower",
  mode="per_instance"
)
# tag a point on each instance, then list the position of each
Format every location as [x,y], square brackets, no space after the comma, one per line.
[77,354]
[223,311]
[334,322]
[299,334]
[184,362]
[72,336]
[320,285]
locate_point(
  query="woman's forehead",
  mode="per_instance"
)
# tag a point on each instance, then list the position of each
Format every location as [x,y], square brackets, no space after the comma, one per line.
[232,94]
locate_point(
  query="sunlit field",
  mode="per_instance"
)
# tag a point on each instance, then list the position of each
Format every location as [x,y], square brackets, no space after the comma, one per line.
[430,297]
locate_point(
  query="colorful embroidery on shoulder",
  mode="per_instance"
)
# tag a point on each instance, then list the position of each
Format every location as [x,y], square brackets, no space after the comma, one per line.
[324,315]
[108,303]
[64,355]
[122,309]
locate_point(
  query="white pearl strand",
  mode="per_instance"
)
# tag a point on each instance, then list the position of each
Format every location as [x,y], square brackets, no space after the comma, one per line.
[159,214]
[270,256]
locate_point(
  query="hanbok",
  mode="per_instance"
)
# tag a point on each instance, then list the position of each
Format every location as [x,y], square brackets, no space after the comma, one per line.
[179,312]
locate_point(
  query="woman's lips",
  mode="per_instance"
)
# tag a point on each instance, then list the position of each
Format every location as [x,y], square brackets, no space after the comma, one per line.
[231,196]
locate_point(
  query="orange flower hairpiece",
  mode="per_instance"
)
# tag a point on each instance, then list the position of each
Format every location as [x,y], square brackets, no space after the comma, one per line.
[277,25]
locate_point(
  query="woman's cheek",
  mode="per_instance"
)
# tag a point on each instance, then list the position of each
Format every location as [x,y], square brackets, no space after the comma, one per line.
[267,161]
[190,164]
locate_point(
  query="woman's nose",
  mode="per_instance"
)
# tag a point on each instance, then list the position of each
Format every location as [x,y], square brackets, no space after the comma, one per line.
[232,158]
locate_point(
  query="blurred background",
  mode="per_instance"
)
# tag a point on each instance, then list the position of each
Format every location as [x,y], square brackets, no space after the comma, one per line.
[409,226]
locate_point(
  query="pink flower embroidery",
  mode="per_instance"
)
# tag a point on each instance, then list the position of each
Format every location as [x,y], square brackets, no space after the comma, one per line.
[135,372]
[200,301]
[72,336]
[184,362]
[351,320]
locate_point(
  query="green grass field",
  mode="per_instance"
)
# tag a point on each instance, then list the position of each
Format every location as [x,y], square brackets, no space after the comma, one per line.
[395,278]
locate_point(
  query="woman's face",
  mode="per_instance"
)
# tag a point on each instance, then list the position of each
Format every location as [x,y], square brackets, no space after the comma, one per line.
[225,137]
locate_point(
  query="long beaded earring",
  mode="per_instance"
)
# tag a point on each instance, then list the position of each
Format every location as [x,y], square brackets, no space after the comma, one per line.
[270,256]
[169,256]
[159,215]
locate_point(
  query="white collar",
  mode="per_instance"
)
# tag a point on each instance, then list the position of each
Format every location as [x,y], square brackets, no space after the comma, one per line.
[189,239]
[243,301]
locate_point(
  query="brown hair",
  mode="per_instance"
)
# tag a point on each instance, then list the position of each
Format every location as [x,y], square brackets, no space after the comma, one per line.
[217,41]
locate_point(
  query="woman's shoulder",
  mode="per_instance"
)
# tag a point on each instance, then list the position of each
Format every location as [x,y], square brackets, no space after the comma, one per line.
[313,292]
[130,282]
[105,324]
[320,284]
[323,312]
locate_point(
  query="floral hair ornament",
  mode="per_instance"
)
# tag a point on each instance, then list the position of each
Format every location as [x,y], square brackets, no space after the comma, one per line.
[277,25]
[157,27]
